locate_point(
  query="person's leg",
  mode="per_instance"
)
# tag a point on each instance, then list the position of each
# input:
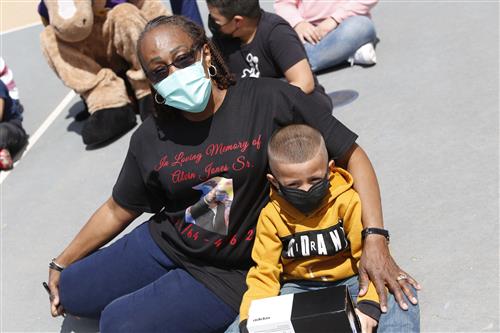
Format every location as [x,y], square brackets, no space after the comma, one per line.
[12,136]
[341,43]
[234,327]
[395,320]
[176,302]
[132,262]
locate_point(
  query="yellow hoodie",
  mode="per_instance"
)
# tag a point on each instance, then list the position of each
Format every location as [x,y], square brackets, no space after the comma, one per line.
[325,245]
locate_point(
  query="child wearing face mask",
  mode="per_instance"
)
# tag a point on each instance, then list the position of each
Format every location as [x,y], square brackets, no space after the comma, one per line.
[310,232]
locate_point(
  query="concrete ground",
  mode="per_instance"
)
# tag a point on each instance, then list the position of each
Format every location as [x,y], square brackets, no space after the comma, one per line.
[427,114]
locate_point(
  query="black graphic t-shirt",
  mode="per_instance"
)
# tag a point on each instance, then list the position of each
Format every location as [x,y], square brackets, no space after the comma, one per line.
[206,181]
[275,48]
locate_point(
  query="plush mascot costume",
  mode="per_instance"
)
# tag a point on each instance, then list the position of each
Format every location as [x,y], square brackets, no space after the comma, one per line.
[91,46]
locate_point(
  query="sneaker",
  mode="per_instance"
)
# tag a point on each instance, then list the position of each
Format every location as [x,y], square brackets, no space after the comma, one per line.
[5,160]
[365,55]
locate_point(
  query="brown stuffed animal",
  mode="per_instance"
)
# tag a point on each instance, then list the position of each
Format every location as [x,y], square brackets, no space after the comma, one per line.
[91,45]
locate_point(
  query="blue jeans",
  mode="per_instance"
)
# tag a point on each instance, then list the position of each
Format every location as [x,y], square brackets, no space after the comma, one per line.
[341,43]
[394,320]
[134,287]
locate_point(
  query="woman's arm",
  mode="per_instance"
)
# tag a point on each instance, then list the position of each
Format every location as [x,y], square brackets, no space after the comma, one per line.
[107,222]
[376,262]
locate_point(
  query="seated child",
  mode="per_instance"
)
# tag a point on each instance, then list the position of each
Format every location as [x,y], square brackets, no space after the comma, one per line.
[12,135]
[255,43]
[309,236]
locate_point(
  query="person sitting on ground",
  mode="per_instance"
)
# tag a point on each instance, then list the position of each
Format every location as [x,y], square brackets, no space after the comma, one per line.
[256,43]
[332,31]
[205,128]
[12,134]
[313,201]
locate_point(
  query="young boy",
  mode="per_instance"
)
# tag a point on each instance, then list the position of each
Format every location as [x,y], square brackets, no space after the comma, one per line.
[256,44]
[310,231]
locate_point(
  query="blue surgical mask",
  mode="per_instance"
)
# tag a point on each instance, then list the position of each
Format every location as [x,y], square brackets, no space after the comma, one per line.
[187,89]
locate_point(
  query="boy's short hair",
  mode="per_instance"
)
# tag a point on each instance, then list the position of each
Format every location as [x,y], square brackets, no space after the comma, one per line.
[231,8]
[295,144]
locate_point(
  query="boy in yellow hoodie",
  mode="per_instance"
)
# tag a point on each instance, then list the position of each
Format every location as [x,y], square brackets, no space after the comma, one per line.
[310,233]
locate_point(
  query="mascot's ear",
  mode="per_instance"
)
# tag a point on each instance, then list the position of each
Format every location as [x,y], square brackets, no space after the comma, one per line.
[72,20]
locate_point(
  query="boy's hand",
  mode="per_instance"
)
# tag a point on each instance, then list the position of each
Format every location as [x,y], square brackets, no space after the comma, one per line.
[376,264]
[367,322]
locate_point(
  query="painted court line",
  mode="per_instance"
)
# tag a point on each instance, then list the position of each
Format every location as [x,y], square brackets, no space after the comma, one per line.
[39,132]
[20,28]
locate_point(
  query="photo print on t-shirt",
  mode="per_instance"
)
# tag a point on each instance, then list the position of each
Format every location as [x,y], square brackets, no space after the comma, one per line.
[211,212]
[253,62]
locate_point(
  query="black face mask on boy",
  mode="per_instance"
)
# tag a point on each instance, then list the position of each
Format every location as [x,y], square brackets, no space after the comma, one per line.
[306,201]
[215,29]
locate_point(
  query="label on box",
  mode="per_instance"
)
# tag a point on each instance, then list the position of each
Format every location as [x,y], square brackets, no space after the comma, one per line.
[272,314]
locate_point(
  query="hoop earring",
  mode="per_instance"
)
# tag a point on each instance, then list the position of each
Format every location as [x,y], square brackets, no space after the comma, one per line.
[157,101]
[214,70]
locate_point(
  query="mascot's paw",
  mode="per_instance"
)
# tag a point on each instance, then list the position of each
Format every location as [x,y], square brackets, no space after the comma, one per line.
[145,106]
[107,124]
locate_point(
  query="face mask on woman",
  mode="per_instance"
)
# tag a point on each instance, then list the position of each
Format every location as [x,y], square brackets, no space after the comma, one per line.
[187,89]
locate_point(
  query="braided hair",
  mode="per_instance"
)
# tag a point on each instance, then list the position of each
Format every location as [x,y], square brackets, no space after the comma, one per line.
[223,78]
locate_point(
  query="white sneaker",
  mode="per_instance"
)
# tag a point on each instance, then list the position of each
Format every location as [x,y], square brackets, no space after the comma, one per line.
[365,55]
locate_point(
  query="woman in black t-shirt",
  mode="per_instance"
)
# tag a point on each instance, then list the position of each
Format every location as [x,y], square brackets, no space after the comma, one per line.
[199,165]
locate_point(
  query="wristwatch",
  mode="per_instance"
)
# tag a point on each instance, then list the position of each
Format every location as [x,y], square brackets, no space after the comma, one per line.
[377,231]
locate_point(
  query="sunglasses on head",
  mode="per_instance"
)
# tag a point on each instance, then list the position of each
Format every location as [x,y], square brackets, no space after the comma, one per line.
[181,61]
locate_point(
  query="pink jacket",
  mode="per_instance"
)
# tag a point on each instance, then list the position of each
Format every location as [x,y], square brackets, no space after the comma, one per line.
[295,11]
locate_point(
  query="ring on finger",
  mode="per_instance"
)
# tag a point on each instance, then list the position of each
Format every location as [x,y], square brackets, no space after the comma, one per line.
[402,276]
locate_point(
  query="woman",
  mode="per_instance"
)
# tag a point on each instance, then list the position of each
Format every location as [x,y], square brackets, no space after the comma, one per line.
[332,31]
[173,275]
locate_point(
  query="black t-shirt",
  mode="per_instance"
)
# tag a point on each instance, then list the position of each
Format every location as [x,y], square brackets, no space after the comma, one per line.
[275,48]
[206,181]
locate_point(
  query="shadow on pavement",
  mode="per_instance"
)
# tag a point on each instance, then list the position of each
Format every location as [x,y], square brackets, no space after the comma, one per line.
[78,112]
[79,325]
[343,97]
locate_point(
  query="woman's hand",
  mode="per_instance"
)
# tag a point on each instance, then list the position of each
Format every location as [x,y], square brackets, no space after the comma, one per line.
[307,32]
[367,322]
[326,26]
[107,222]
[56,308]
[376,264]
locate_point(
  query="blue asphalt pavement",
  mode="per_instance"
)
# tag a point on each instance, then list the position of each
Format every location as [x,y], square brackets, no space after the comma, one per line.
[427,114]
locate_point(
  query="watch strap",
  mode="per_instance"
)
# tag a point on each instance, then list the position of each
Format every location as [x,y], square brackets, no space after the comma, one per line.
[376,231]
